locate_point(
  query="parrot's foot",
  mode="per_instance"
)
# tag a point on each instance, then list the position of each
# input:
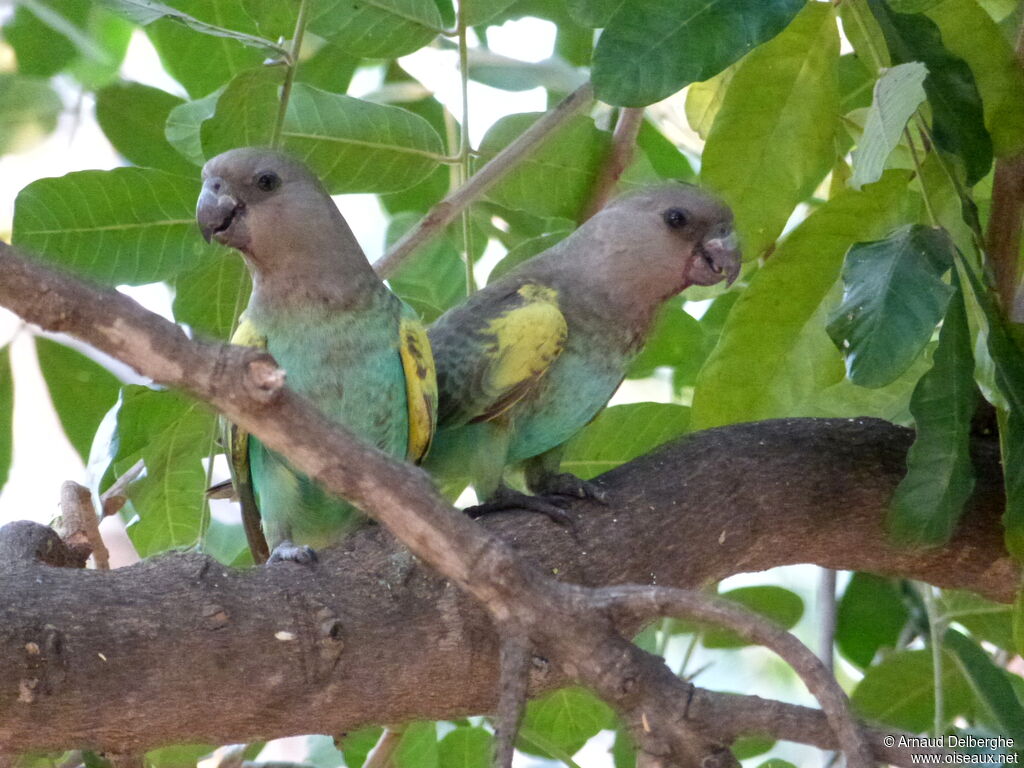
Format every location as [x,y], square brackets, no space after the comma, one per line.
[565,484]
[507,500]
[293,553]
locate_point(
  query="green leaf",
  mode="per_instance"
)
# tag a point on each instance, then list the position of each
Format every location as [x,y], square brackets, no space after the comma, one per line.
[28,111]
[510,74]
[985,620]
[870,616]
[246,112]
[704,100]
[377,28]
[202,62]
[781,606]
[432,282]
[897,94]
[749,375]
[900,692]
[128,225]
[524,251]
[172,434]
[940,477]
[358,745]
[477,12]
[82,391]
[40,49]
[563,720]
[132,116]
[418,747]
[893,298]
[110,35]
[676,340]
[178,756]
[776,762]
[273,18]
[329,69]
[622,433]
[776,128]
[558,177]
[664,156]
[465,747]
[970,33]
[989,683]
[1018,621]
[358,146]
[957,117]
[593,13]
[653,48]
[420,197]
[210,296]
[184,124]
[6,413]
[746,747]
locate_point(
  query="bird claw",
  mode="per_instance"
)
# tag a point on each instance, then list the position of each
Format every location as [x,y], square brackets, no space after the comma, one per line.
[293,553]
[512,501]
[565,484]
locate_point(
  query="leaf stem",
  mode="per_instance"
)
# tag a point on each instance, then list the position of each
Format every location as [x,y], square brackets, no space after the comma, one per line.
[289,78]
[935,632]
[932,218]
[501,164]
[464,167]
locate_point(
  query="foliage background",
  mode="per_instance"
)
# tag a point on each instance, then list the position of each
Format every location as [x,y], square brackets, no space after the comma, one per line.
[795,116]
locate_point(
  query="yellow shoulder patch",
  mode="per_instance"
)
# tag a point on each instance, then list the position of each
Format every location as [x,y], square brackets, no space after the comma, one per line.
[420,387]
[527,339]
[246,335]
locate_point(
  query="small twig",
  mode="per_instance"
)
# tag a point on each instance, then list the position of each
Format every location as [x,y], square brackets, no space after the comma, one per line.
[695,606]
[116,496]
[80,525]
[512,692]
[380,757]
[289,77]
[619,157]
[827,617]
[442,214]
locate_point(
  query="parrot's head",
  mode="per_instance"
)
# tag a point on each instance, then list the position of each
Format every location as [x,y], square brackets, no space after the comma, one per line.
[672,236]
[263,203]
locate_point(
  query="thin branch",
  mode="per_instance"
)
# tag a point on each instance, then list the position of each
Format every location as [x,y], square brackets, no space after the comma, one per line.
[649,602]
[116,496]
[620,155]
[442,214]
[389,740]
[464,150]
[289,77]
[513,690]
[80,525]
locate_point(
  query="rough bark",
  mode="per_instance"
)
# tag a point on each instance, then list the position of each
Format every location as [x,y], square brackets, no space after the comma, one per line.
[179,648]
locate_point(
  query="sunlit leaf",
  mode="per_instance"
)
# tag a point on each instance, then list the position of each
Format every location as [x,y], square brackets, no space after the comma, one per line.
[358,146]
[128,225]
[209,297]
[970,33]
[132,116]
[990,684]
[653,48]
[557,178]
[28,111]
[418,747]
[564,720]
[704,100]
[985,620]
[465,747]
[185,122]
[958,122]
[172,434]
[246,112]
[379,29]
[621,433]
[898,92]
[82,391]
[749,374]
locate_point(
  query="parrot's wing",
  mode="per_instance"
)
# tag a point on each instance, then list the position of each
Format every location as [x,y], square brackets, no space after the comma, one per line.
[497,357]
[420,386]
[236,445]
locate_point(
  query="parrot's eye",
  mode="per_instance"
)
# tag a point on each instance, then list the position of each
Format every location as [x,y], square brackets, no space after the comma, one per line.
[268,181]
[675,218]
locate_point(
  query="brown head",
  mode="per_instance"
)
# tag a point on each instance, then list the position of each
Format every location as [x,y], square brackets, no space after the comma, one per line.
[276,212]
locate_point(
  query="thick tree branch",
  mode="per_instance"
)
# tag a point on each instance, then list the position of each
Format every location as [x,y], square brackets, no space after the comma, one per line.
[176,635]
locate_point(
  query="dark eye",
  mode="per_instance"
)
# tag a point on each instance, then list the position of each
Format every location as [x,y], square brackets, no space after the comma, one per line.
[675,218]
[268,181]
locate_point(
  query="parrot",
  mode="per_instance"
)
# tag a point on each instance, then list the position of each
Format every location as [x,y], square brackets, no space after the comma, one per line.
[525,363]
[344,340]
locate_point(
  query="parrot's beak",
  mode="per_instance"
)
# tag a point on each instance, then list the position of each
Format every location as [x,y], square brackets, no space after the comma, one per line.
[722,255]
[216,210]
